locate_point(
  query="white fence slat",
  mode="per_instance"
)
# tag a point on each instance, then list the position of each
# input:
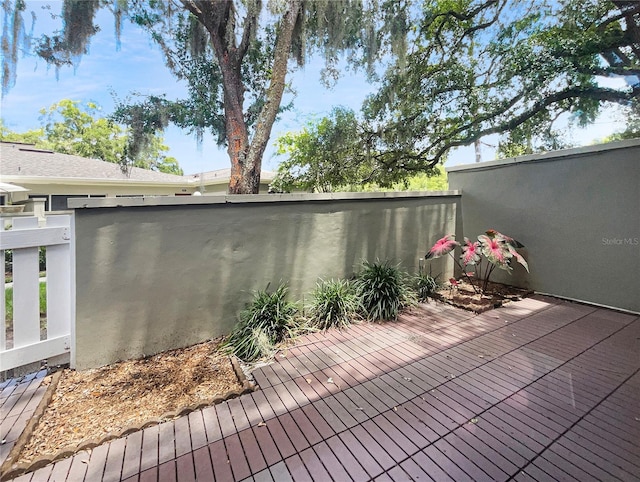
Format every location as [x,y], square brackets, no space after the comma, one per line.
[42,237]
[26,290]
[25,239]
[58,283]
[3,307]
[30,222]
[37,351]
[72,298]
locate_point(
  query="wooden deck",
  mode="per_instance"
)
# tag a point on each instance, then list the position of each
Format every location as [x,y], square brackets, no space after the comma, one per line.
[539,390]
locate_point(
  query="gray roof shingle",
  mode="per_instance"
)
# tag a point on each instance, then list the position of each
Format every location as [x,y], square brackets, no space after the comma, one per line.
[18,159]
[25,160]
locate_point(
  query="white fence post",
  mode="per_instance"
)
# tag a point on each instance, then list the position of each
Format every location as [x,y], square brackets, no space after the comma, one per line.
[72,287]
[3,308]
[58,282]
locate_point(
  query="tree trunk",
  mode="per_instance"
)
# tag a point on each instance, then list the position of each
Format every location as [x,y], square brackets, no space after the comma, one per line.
[478,150]
[237,136]
[245,174]
[245,156]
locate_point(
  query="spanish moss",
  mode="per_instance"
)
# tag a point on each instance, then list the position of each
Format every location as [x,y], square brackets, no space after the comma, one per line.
[14,39]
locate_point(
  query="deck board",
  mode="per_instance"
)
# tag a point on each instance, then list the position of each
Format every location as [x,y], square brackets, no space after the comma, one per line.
[541,389]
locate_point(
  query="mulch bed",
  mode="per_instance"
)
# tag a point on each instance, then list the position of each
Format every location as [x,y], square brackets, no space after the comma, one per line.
[463,296]
[86,409]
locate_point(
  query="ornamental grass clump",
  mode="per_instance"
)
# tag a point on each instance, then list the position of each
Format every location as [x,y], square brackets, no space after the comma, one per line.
[268,320]
[492,250]
[335,304]
[383,290]
[424,285]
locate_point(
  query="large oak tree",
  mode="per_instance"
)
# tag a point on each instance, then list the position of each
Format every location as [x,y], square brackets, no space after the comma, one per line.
[476,68]
[509,67]
[234,56]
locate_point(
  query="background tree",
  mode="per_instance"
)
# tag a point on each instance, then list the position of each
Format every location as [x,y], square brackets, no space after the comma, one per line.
[631,119]
[33,136]
[69,127]
[329,155]
[234,56]
[324,156]
[510,67]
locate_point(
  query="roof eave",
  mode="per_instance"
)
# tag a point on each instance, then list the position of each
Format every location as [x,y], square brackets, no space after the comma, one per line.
[93,181]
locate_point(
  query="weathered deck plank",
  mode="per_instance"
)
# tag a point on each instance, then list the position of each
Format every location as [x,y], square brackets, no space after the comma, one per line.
[540,389]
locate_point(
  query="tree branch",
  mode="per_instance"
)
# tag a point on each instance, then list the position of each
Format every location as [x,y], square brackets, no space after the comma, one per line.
[249,30]
[594,93]
[609,71]
[269,110]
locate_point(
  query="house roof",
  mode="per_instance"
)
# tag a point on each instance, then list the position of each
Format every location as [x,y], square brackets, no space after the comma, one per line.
[223,175]
[25,160]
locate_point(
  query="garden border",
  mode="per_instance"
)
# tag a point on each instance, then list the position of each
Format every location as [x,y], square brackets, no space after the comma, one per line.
[10,470]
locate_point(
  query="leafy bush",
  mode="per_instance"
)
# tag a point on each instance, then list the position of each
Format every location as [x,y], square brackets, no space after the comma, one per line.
[424,285]
[335,303]
[383,290]
[42,258]
[265,322]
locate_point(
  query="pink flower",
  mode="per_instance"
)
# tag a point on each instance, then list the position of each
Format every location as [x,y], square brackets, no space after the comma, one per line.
[453,281]
[442,247]
[470,252]
[496,251]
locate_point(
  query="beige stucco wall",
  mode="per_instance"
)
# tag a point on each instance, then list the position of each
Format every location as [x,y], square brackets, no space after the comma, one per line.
[577,212]
[162,273]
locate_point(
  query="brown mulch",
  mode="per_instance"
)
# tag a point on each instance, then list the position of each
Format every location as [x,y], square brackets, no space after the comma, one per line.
[463,296]
[93,404]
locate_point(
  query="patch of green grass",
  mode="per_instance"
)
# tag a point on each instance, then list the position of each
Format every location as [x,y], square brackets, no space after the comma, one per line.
[8,298]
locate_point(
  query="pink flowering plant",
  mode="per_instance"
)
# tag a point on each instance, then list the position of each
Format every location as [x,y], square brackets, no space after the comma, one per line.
[492,250]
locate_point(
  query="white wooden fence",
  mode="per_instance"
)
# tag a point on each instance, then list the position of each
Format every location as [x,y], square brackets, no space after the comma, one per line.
[24,238]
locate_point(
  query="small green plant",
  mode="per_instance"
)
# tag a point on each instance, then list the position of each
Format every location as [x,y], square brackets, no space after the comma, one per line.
[335,304]
[424,285]
[384,290]
[266,321]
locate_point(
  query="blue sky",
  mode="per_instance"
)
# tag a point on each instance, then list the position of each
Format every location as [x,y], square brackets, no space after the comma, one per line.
[138,66]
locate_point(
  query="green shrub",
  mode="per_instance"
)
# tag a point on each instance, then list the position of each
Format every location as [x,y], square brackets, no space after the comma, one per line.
[265,322]
[335,303]
[383,290]
[424,285]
